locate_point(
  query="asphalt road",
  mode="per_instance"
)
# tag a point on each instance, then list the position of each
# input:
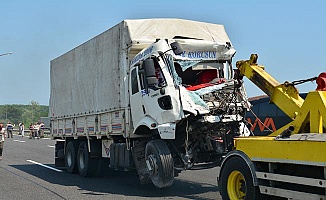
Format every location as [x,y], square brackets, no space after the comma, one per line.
[27,172]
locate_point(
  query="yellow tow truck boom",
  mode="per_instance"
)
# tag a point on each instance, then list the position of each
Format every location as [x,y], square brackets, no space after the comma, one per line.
[308,115]
[289,163]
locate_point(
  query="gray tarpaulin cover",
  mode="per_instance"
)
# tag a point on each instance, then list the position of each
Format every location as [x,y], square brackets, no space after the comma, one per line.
[92,77]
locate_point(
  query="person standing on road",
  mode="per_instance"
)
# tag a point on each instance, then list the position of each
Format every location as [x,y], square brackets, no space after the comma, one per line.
[42,130]
[31,131]
[9,129]
[37,130]
[22,129]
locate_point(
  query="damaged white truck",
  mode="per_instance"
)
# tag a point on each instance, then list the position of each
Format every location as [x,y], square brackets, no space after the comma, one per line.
[154,95]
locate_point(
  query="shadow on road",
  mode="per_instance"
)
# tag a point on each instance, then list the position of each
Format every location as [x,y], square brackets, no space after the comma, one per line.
[119,182]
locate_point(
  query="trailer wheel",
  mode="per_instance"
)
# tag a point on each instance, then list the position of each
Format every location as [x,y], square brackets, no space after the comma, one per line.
[70,157]
[236,181]
[87,166]
[159,163]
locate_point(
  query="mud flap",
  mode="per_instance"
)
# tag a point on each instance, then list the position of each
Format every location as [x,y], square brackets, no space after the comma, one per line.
[59,156]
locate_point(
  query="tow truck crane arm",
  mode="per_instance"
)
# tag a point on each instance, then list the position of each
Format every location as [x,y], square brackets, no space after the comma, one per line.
[291,165]
[309,115]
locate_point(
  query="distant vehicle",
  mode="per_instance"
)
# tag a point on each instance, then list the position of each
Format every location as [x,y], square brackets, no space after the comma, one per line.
[269,116]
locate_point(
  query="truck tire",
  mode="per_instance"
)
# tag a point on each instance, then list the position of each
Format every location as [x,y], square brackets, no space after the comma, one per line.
[161,170]
[236,181]
[70,157]
[87,166]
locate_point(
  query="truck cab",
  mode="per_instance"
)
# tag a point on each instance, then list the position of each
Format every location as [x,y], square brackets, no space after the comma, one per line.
[182,91]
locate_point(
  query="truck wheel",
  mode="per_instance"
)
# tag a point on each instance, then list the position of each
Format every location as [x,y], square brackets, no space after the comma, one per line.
[159,163]
[236,181]
[87,166]
[70,157]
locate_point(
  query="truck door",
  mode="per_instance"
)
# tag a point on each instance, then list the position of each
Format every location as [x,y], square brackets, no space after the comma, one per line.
[136,101]
[159,100]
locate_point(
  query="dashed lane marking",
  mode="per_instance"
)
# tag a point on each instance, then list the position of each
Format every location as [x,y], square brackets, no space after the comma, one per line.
[18,141]
[40,164]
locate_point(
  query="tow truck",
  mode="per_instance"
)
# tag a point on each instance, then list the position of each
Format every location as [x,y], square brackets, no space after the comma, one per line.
[290,163]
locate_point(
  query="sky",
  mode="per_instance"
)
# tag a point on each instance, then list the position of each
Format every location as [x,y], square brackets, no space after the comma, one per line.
[288,35]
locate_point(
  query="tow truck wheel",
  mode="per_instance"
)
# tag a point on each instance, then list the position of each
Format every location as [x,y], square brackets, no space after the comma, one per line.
[70,157]
[86,165]
[236,181]
[159,163]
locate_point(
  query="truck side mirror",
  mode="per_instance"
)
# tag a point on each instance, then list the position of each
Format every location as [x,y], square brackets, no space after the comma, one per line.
[176,47]
[148,65]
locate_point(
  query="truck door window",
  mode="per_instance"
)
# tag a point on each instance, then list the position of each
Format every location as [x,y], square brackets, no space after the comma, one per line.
[141,80]
[159,75]
[134,82]
[168,60]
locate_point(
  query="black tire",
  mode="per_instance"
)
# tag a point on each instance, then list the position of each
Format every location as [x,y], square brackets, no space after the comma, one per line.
[87,166]
[160,159]
[70,157]
[236,181]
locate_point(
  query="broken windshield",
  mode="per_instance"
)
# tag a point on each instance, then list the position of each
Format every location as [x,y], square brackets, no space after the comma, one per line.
[195,72]
[199,72]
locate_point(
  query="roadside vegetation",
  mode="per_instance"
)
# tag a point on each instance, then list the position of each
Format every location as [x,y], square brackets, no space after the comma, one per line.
[27,114]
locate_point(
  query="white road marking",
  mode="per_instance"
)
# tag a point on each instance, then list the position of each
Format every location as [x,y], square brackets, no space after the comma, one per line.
[18,141]
[46,138]
[51,146]
[31,161]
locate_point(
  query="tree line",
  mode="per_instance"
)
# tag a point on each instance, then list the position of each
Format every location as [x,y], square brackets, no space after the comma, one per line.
[28,114]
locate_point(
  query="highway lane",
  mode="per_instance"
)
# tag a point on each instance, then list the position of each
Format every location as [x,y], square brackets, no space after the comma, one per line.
[26,172]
